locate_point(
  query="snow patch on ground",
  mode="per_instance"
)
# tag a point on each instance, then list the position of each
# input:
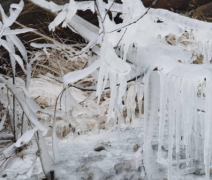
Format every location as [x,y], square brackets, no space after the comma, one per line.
[117,161]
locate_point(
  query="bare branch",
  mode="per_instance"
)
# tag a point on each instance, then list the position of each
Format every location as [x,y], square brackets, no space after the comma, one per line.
[121,38]
[108,11]
[60,45]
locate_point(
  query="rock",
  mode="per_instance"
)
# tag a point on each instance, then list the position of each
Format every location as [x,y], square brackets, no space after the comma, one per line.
[136,147]
[126,165]
[187,41]
[4,176]
[99,148]
[199,59]
[171,39]
[203,13]
[118,168]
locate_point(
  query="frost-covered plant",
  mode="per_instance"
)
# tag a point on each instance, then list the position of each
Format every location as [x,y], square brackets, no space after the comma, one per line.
[9,44]
[28,105]
[11,38]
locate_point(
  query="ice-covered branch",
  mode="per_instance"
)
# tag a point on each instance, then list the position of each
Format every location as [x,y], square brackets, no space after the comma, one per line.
[74,76]
[46,160]
[4,136]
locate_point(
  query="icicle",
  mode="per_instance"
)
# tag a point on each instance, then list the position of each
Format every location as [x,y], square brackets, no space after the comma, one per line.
[133,103]
[202,121]
[113,87]
[205,53]
[152,98]
[171,116]
[100,82]
[163,103]
[200,46]
[140,98]
[185,104]
[178,119]
[106,78]
[130,103]
[122,89]
[191,95]
[119,125]
[197,129]
[202,115]
[208,117]
[200,143]
[128,115]
[209,52]
[184,108]
[196,120]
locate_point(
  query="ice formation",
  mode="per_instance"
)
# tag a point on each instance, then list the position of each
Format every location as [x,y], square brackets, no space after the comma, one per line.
[181,92]
[173,90]
[177,91]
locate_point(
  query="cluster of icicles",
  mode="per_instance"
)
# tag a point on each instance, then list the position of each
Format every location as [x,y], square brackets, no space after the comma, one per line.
[189,118]
[185,103]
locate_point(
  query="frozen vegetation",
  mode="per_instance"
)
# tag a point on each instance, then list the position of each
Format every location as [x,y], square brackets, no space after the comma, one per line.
[146,115]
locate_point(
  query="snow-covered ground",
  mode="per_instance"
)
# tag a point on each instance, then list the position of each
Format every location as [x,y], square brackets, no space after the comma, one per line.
[108,155]
[79,160]
[117,161]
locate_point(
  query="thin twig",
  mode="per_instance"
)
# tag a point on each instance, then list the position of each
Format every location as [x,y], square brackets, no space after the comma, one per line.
[7,159]
[92,90]
[99,14]
[46,67]
[62,46]
[108,11]
[121,38]
[61,93]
